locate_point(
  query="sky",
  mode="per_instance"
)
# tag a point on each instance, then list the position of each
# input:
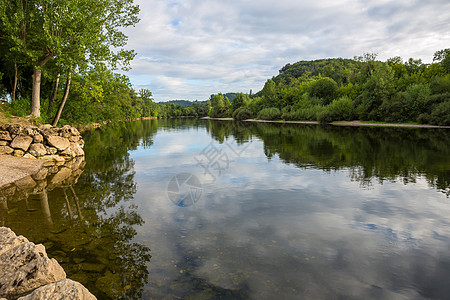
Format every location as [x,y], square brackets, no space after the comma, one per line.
[190,49]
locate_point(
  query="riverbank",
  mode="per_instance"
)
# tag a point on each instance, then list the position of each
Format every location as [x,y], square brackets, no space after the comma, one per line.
[337,123]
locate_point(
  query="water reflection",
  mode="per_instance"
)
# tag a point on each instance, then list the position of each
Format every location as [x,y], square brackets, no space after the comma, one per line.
[302,212]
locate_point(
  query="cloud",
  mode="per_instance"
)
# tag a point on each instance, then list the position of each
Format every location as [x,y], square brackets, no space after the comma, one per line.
[191,49]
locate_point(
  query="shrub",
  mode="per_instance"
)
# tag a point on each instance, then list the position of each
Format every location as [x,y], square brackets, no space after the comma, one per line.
[342,108]
[324,88]
[242,113]
[441,114]
[325,117]
[271,113]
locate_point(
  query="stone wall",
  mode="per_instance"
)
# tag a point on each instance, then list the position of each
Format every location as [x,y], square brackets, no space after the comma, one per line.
[43,142]
[27,273]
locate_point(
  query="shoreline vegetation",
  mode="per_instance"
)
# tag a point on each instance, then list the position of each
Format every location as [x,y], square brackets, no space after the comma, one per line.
[336,123]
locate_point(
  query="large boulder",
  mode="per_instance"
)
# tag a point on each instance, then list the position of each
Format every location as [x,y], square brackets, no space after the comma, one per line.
[64,289]
[58,142]
[26,267]
[21,142]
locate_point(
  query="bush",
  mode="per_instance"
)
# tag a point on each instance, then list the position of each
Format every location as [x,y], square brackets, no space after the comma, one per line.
[324,88]
[342,108]
[325,117]
[271,113]
[242,113]
[441,114]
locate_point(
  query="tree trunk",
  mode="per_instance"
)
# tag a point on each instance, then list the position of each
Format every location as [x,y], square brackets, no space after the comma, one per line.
[63,102]
[36,94]
[13,95]
[55,91]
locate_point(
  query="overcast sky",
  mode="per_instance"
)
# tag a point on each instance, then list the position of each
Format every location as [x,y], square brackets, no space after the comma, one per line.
[190,49]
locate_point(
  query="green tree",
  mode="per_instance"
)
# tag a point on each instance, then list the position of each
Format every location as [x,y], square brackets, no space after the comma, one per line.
[74,33]
[240,100]
[443,58]
[324,88]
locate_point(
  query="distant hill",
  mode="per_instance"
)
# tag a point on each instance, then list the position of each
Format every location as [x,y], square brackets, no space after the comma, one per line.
[230,96]
[331,67]
[184,103]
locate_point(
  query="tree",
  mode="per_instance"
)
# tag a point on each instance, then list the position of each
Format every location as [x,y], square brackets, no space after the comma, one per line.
[74,33]
[324,88]
[240,100]
[269,93]
[443,57]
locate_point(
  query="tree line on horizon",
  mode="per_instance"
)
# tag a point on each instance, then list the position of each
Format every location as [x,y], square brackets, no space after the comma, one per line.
[338,89]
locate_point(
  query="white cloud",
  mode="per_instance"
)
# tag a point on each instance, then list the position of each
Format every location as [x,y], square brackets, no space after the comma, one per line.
[190,49]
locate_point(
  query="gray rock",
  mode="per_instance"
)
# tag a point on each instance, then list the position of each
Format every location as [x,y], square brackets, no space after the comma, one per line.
[51,150]
[25,268]
[4,135]
[62,175]
[58,142]
[21,142]
[19,153]
[9,240]
[15,129]
[41,175]
[64,289]
[37,150]
[38,138]
[55,158]
[6,150]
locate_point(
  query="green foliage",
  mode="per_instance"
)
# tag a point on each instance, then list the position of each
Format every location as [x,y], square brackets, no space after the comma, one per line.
[341,109]
[441,114]
[239,100]
[379,88]
[270,113]
[242,113]
[324,88]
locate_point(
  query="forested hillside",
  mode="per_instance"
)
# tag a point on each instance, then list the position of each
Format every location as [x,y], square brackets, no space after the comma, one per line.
[348,89]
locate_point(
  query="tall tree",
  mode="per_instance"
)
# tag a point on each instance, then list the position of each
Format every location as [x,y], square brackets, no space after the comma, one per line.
[75,33]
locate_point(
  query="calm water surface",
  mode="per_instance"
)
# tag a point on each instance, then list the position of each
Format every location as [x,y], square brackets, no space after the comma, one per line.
[197,209]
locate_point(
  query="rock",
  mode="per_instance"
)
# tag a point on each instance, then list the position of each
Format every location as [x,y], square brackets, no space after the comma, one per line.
[19,153]
[74,138]
[4,135]
[21,142]
[62,175]
[51,150]
[6,150]
[25,183]
[4,143]
[55,158]
[38,138]
[45,127]
[64,289]
[28,155]
[58,142]
[41,175]
[37,150]
[25,268]
[74,131]
[9,240]
[15,129]
[109,284]
[30,130]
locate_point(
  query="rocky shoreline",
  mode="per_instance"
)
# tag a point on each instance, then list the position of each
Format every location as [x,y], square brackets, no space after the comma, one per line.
[43,142]
[27,273]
